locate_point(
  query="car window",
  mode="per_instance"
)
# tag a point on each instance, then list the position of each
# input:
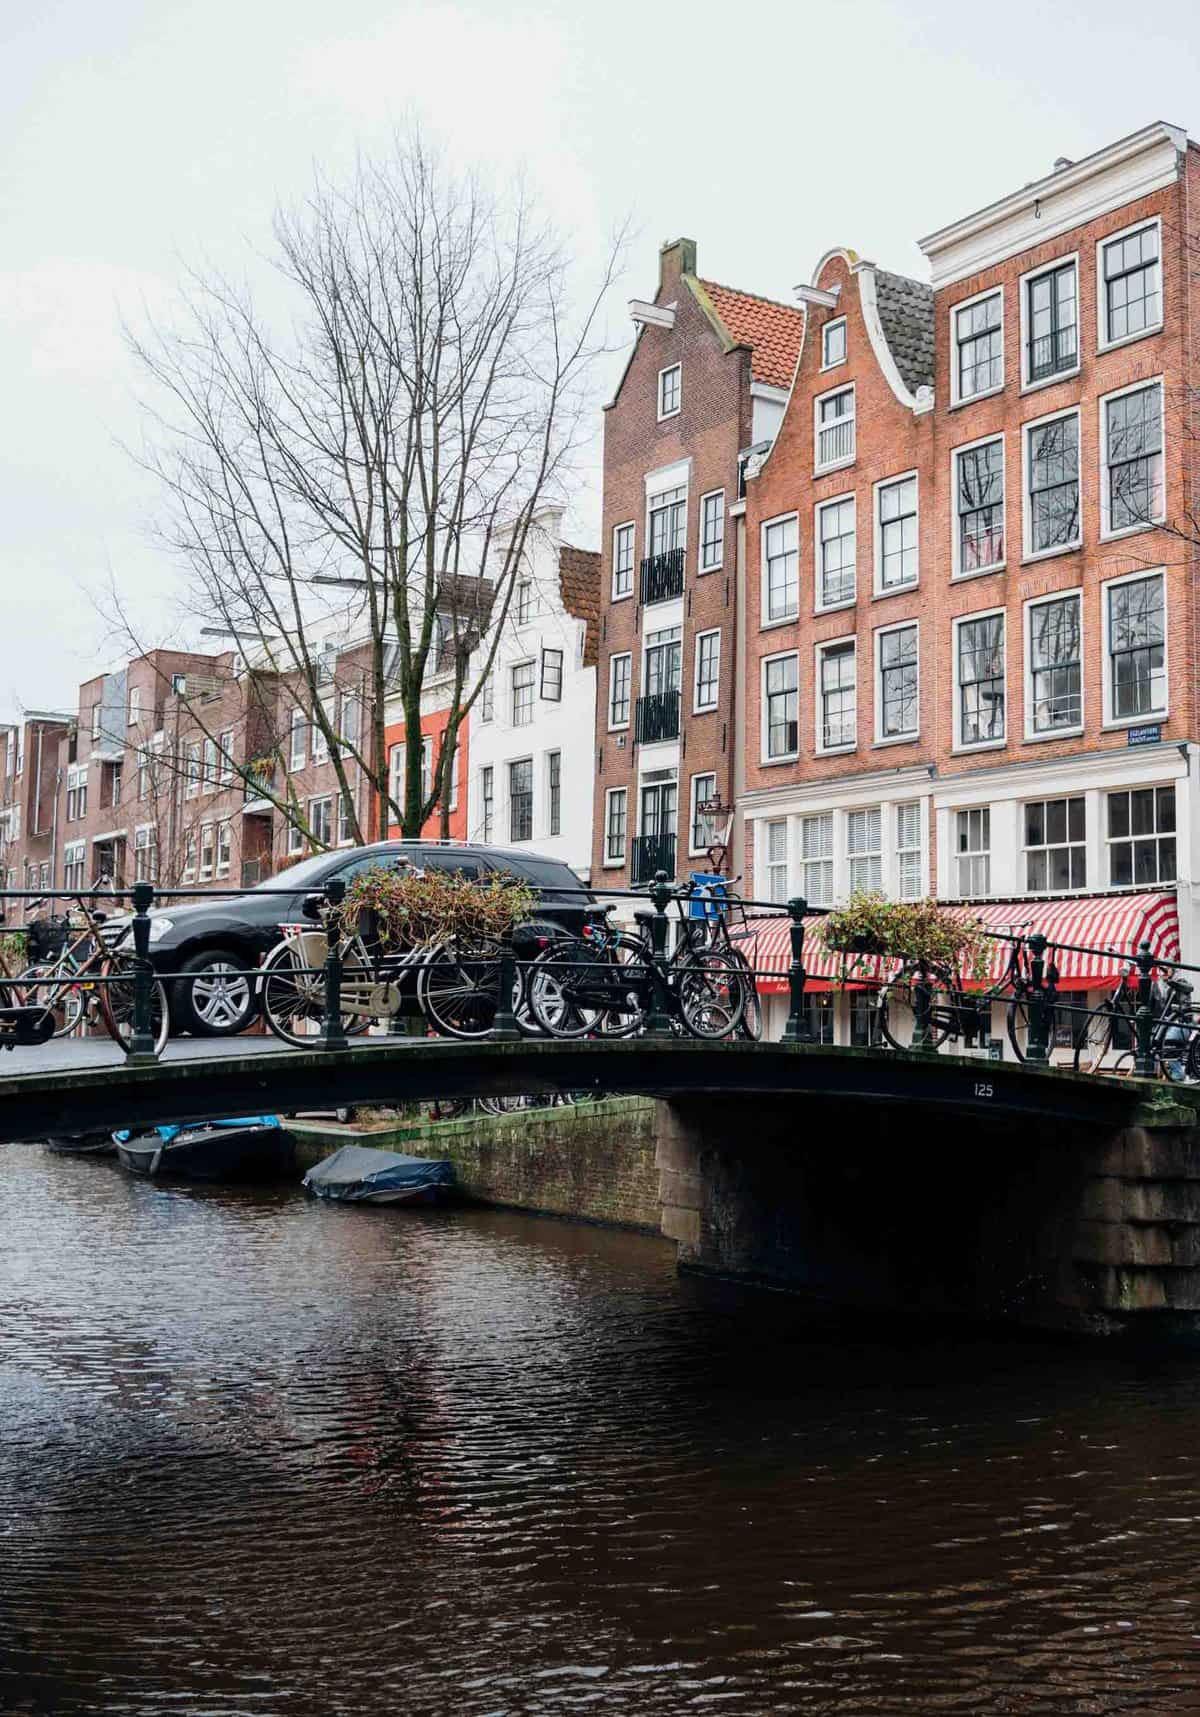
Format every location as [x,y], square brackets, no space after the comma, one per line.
[449,858]
[549,876]
[310,872]
[378,861]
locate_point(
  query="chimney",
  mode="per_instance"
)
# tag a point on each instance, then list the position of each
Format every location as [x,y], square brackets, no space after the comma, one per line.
[676,257]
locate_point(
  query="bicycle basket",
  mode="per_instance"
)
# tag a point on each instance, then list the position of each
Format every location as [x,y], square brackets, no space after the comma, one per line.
[46,938]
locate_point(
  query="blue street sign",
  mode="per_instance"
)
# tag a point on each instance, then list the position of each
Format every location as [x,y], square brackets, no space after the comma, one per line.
[1143,735]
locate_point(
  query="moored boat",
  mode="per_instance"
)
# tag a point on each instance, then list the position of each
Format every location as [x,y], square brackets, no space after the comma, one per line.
[360,1174]
[254,1147]
[82,1145]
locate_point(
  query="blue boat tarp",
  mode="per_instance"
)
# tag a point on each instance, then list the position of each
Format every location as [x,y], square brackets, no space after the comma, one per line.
[166,1134]
[360,1171]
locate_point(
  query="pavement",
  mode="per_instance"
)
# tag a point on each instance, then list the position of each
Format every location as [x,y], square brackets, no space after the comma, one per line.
[61,1054]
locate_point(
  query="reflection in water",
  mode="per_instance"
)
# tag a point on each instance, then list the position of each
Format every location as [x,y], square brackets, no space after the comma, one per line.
[264,1456]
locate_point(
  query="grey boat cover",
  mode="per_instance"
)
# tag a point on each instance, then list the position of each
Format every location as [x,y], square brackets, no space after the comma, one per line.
[355,1171]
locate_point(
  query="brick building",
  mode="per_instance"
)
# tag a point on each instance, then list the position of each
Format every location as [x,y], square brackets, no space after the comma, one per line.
[28,799]
[970,567]
[705,382]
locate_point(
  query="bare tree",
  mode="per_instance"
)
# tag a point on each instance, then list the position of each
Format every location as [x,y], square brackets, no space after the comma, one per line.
[430,387]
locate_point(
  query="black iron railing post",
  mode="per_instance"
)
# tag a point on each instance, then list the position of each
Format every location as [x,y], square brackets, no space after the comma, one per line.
[141,1043]
[1143,1061]
[658,1020]
[922,1009]
[334,1035]
[1037,1047]
[504,1026]
[797,1029]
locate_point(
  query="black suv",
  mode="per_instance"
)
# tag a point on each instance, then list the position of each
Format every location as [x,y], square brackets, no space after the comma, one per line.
[210,940]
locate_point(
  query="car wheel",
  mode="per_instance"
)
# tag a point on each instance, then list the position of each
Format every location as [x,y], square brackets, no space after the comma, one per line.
[216,1001]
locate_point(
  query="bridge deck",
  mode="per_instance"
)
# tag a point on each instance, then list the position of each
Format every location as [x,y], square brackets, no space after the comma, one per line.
[47,1093]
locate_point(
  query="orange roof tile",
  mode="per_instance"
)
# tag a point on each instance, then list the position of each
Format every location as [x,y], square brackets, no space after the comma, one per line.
[771,330]
[579,581]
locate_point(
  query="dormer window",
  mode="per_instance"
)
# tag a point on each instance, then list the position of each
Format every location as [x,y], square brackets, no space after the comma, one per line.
[833,343]
[670,391]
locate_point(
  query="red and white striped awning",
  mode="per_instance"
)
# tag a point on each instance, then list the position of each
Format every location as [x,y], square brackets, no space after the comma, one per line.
[1117,923]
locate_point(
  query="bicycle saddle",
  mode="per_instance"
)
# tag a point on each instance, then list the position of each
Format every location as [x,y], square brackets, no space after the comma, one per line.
[644,917]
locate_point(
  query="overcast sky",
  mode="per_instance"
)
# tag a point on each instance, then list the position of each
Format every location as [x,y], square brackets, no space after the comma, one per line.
[140,133]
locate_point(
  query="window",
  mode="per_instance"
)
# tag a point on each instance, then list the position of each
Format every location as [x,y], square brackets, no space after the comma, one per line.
[20,751]
[667,521]
[348,721]
[143,774]
[97,723]
[225,769]
[864,844]
[299,739]
[708,670]
[210,765]
[207,850]
[320,739]
[908,851]
[973,845]
[1055,853]
[896,533]
[224,847]
[702,827]
[1051,309]
[837,690]
[320,821]
[520,800]
[487,802]
[73,863]
[396,778]
[865,1029]
[835,429]
[664,659]
[193,768]
[816,859]
[781,556]
[454,760]
[622,560]
[113,783]
[135,705]
[670,390]
[659,804]
[777,861]
[833,343]
[1052,484]
[712,530]
[522,694]
[836,552]
[615,813]
[426,765]
[979,508]
[1132,458]
[1136,646]
[897,693]
[76,792]
[620,670]
[1131,296]
[552,675]
[818,1012]
[978,355]
[979,673]
[487,699]
[295,841]
[781,714]
[524,604]
[554,792]
[345,819]
[1141,837]
[1055,670]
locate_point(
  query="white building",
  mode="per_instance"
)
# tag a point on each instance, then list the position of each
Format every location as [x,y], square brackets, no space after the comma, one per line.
[532,728]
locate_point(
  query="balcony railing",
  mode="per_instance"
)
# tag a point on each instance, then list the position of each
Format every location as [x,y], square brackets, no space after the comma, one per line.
[652,853]
[662,576]
[656,717]
[254,782]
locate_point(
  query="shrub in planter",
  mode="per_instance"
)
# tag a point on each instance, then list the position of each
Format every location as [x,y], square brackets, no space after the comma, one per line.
[906,930]
[405,909]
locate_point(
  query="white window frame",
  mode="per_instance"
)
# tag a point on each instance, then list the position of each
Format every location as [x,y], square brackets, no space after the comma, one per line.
[803,862]
[74,854]
[960,620]
[298,730]
[1109,841]
[207,838]
[619,656]
[225,758]
[956,570]
[877,852]
[134,714]
[820,469]
[1023,284]
[487,696]
[716,565]
[669,369]
[693,802]
[956,857]
[629,525]
[920,849]
[606,861]
[956,398]
[195,756]
[224,849]
[828,363]
[1103,343]
[1024,850]
[1107,534]
[880,589]
[318,742]
[321,799]
[295,839]
[820,606]
[882,632]
[821,650]
[764,573]
[1027,550]
[513,669]
[767,761]
[699,708]
[1149,718]
[768,863]
[191,854]
[1031,736]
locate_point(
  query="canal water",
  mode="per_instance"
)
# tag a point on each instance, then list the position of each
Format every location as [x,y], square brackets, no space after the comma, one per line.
[259,1456]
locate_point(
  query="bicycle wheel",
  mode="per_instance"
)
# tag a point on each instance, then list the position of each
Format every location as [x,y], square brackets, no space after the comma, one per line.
[712,994]
[1094,1041]
[458,988]
[291,990]
[116,1004]
[57,992]
[898,1010]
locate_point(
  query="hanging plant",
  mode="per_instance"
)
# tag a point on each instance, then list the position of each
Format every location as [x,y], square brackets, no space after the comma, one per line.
[407,909]
[906,930]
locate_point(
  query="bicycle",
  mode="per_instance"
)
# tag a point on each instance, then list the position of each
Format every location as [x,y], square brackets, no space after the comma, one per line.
[954,1012]
[709,928]
[1107,1042]
[86,983]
